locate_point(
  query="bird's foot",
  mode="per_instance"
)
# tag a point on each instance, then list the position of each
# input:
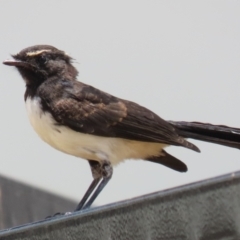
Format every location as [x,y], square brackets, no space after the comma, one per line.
[58,215]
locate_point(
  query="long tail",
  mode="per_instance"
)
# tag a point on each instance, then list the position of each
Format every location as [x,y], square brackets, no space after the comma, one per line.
[218,134]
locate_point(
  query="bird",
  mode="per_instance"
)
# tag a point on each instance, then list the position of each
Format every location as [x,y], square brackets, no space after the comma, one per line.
[88,123]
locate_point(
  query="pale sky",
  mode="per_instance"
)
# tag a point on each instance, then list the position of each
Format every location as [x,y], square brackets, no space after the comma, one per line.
[178,58]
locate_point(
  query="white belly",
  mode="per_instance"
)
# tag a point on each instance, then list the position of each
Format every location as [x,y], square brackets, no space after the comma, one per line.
[86,146]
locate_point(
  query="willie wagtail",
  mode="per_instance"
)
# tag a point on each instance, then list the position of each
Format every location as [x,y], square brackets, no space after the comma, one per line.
[85,122]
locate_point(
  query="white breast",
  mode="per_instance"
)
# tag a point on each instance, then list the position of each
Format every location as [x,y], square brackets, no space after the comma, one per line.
[86,146]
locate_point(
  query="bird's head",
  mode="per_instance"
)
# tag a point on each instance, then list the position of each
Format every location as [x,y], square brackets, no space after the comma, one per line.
[38,63]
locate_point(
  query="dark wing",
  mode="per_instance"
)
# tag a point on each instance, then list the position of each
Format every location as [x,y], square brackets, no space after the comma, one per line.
[89,110]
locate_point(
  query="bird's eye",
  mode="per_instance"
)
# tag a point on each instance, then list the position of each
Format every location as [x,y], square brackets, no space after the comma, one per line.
[42,59]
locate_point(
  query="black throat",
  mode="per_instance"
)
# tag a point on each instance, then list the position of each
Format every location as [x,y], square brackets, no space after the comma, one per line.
[35,79]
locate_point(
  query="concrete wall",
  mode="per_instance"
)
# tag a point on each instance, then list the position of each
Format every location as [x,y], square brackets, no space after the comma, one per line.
[207,210]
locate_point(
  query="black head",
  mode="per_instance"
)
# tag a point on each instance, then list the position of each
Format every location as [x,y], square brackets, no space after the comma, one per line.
[38,63]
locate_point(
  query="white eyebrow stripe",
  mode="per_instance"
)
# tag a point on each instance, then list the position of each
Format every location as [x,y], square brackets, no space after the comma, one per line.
[35,53]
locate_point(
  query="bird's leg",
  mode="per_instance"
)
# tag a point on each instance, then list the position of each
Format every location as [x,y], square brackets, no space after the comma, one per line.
[102,173]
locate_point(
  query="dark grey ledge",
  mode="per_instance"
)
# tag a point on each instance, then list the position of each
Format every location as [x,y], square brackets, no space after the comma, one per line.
[208,210]
[20,203]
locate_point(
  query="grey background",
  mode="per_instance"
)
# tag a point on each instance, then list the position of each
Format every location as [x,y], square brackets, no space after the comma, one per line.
[178,58]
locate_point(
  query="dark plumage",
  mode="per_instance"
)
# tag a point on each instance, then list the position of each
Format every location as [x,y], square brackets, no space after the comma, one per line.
[89,123]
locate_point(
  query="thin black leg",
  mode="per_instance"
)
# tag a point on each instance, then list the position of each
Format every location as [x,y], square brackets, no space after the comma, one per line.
[102,173]
[97,191]
[87,194]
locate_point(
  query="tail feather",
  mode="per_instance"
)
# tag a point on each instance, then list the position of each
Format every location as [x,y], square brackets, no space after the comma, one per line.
[169,161]
[218,134]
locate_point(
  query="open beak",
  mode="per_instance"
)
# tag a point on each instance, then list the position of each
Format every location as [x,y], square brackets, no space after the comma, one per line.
[17,63]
